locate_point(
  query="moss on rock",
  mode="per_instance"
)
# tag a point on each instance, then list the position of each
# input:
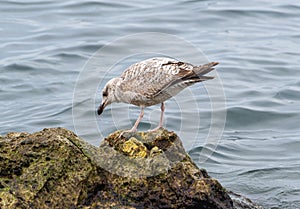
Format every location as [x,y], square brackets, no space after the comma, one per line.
[54,168]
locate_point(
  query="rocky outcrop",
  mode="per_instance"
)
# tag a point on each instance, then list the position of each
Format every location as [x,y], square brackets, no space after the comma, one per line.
[54,168]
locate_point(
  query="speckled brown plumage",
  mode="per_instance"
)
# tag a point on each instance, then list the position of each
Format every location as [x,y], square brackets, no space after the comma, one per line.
[153,81]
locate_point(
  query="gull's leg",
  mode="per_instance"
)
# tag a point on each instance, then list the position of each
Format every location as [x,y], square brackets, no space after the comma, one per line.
[134,128]
[162,107]
[160,125]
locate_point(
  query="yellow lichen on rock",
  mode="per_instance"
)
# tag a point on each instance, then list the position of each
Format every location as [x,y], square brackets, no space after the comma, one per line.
[155,151]
[134,148]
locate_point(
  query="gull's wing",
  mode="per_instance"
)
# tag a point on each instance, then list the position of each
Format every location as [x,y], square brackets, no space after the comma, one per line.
[153,76]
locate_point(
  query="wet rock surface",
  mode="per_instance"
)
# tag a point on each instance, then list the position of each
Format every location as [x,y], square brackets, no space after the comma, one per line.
[54,168]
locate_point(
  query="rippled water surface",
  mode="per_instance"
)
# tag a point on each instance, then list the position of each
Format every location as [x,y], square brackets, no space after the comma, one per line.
[45,45]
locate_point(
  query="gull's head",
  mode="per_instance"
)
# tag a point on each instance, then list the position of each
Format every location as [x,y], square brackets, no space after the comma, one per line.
[108,94]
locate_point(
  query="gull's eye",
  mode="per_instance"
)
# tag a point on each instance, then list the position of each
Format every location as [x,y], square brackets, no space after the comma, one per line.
[104,94]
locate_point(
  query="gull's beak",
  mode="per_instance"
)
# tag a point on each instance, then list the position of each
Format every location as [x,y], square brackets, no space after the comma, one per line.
[101,107]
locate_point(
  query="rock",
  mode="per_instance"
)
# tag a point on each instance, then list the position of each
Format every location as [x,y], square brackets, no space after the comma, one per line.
[54,168]
[241,202]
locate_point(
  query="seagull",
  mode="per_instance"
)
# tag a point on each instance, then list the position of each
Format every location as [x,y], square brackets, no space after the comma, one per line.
[151,82]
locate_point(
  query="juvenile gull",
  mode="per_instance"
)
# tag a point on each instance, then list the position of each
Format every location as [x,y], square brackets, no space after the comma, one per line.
[151,82]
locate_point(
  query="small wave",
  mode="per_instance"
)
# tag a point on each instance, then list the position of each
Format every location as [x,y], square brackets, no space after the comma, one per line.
[85,4]
[290,94]
[240,116]
[262,171]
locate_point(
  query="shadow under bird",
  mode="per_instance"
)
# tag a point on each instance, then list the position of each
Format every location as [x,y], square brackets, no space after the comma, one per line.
[151,82]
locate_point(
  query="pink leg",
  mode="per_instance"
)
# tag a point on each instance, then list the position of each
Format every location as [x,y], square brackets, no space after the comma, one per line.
[134,128]
[162,107]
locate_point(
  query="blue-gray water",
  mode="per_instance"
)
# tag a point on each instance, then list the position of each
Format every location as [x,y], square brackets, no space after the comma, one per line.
[44,45]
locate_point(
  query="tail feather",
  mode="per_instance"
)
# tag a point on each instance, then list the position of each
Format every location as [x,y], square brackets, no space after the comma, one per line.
[204,69]
[199,72]
[193,76]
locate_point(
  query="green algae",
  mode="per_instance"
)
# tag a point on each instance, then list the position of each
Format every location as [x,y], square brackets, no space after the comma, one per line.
[56,169]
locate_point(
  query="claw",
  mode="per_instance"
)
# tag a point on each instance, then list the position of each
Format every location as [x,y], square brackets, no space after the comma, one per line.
[127,131]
